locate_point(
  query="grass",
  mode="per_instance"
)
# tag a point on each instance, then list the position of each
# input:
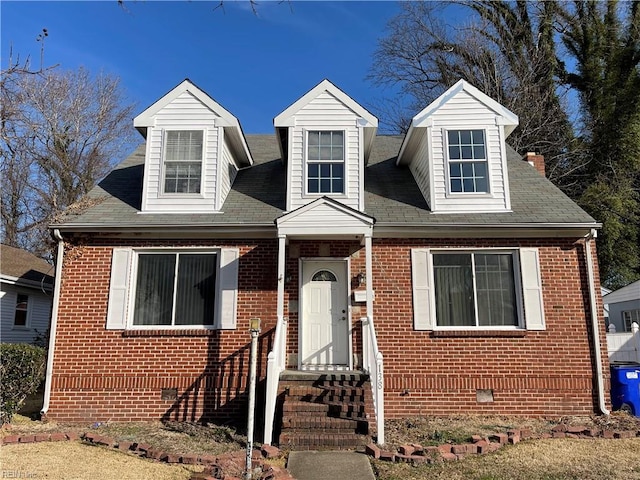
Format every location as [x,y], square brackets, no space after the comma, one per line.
[553,459]
[74,460]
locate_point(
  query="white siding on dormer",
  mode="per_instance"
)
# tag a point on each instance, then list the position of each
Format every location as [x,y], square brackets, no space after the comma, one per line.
[420,169]
[463,112]
[325,112]
[228,172]
[184,113]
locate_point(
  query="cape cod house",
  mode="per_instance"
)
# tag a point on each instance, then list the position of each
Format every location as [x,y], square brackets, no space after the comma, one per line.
[432,273]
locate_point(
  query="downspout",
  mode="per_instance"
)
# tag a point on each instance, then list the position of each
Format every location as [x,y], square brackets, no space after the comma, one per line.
[54,321]
[595,323]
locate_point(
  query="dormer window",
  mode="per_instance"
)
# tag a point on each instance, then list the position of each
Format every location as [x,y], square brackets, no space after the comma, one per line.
[325,162]
[467,161]
[183,161]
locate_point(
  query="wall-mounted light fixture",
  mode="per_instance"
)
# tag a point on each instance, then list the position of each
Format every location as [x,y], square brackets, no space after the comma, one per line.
[362,278]
[254,325]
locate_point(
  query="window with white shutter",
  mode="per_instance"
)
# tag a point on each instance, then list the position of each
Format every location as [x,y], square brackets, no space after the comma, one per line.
[477,289]
[173,288]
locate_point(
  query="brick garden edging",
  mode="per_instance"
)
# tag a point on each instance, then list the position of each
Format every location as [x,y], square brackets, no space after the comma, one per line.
[214,465]
[478,445]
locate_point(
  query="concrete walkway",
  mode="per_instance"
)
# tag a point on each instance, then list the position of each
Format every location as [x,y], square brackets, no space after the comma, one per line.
[314,465]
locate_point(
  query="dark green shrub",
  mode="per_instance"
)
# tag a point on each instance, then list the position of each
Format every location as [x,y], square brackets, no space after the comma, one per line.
[22,368]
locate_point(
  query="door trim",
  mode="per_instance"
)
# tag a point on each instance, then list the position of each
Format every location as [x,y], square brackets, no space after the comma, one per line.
[347,283]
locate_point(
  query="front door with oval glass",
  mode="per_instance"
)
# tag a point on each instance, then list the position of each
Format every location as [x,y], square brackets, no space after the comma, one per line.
[324,325]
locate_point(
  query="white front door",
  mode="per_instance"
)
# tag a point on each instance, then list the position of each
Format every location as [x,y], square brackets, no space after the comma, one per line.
[324,324]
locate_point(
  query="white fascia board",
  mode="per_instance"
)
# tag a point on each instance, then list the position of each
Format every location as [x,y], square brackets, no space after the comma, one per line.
[286,118]
[179,231]
[508,117]
[225,118]
[236,136]
[21,282]
[456,230]
[146,118]
[315,231]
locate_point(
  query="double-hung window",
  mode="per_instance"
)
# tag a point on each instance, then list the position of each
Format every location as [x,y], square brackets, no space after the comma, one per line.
[325,161]
[22,311]
[175,289]
[467,159]
[183,161]
[475,289]
[629,317]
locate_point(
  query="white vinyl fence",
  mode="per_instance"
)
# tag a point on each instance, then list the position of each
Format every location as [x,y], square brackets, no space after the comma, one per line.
[624,346]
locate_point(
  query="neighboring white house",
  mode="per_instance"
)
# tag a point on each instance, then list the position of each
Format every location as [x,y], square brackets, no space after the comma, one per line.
[26,292]
[624,306]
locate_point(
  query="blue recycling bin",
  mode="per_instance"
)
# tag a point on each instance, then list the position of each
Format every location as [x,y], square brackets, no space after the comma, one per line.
[625,387]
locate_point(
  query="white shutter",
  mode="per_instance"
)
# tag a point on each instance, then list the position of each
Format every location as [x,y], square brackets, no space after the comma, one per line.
[228,287]
[119,289]
[423,319]
[532,289]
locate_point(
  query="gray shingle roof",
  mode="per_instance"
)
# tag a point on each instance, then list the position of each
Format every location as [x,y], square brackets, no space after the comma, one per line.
[257,197]
[24,265]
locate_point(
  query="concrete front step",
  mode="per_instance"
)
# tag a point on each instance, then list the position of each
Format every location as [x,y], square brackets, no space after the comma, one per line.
[296,440]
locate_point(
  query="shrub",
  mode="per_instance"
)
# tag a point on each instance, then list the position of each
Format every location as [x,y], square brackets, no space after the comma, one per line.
[22,369]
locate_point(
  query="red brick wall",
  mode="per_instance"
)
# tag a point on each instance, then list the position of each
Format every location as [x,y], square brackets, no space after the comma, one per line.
[101,375]
[104,375]
[546,372]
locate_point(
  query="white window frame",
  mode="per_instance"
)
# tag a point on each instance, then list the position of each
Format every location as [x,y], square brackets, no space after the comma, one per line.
[27,322]
[305,175]
[163,160]
[175,251]
[630,316]
[448,161]
[517,277]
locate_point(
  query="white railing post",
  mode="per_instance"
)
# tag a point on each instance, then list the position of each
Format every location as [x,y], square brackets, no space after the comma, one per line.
[372,363]
[635,330]
[276,362]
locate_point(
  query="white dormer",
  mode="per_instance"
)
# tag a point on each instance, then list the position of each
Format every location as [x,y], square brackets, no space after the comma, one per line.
[325,139]
[455,149]
[194,149]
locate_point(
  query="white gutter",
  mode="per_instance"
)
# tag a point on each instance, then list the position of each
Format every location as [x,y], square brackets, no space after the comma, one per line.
[54,322]
[595,323]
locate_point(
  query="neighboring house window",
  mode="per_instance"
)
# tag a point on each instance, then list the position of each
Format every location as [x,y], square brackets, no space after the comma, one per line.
[175,289]
[629,317]
[475,289]
[22,310]
[183,161]
[325,162]
[467,161]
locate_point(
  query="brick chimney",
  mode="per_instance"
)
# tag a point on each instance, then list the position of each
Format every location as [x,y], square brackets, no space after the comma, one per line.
[537,161]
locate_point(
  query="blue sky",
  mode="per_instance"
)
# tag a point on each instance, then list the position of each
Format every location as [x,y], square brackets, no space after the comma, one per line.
[254,65]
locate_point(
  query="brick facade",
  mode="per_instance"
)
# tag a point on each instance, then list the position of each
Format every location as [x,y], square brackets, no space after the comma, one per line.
[101,375]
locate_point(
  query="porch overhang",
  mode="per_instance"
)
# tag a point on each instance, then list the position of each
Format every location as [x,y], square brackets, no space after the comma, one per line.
[325,218]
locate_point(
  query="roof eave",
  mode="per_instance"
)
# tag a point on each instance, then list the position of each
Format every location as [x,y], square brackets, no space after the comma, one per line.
[484,230]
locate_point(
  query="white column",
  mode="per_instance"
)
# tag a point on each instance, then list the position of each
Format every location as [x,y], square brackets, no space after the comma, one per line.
[369,272]
[281,275]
